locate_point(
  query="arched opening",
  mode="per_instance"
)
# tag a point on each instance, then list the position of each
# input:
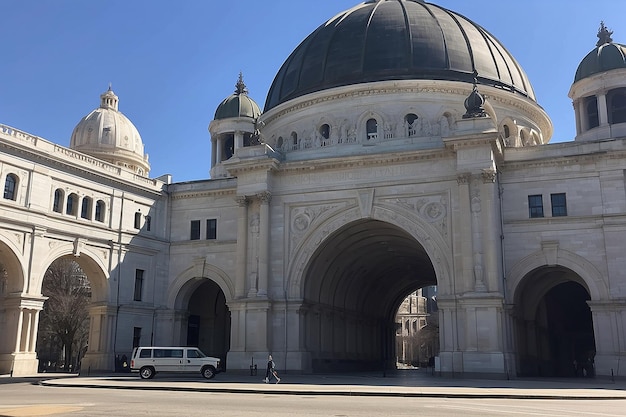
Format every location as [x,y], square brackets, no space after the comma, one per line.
[417,330]
[10,186]
[229,146]
[208,320]
[371,128]
[554,326]
[294,141]
[71,206]
[59,196]
[617,106]
[11,283]
[324,131]
[354,284]
[410,123]
[591,112]
[64,321]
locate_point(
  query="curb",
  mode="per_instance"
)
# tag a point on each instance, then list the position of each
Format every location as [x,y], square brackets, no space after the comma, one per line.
[345,393]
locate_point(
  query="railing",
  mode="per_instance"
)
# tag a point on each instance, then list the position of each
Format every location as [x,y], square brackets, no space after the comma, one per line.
[9,133]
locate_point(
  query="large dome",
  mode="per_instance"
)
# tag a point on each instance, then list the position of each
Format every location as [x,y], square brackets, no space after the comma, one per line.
[381,40]
[107,134]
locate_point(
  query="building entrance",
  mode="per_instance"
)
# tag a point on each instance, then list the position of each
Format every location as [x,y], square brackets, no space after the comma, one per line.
[208,323]
[354,284]
[555,337]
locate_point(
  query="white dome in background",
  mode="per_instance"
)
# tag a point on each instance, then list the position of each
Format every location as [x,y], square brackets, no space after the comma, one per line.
[107,134]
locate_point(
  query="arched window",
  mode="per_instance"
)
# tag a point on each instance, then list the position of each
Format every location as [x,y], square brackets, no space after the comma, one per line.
[591,112]
[507,131]
[371,128]
[411,126]
[617,106]
[10,185]
[279,142]
[57,205]
[325,131]
[85,208]
[294,141]
[522,138]
[100,211]
[138,220]
[72,204]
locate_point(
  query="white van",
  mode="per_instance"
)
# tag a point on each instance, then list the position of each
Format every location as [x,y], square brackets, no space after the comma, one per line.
[149,361]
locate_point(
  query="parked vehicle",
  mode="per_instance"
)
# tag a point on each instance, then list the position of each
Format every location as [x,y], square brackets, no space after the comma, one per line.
[149,361]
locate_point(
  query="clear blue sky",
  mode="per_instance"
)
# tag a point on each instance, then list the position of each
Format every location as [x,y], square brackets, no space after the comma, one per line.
[172,62]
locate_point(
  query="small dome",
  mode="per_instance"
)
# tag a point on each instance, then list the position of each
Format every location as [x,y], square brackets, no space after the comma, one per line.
[238,104]
[107,134]
[384,40]
[605,57]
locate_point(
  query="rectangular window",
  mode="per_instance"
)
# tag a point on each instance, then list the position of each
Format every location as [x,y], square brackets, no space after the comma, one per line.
[559,205]
[138,284]
[195,230]
[148,223]
[535,206]
[211,229]
[137,341]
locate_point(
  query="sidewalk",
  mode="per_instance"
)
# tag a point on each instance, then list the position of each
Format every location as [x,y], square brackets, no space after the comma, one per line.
[396,384]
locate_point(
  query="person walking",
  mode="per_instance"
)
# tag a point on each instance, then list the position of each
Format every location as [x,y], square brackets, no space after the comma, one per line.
[271,371]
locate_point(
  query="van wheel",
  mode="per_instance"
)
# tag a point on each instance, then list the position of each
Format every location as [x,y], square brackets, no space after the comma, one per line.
[208,372]
[147,372]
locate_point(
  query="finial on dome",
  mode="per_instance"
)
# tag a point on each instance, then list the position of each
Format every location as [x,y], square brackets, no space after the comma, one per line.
[604,35]
[240,87]
[474,102]
[108,99]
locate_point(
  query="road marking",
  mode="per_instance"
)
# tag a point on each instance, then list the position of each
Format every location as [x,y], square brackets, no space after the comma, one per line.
[39,410]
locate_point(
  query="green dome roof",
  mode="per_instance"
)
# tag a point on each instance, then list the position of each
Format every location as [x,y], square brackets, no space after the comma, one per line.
[605,57]
[384,40]
[238,104]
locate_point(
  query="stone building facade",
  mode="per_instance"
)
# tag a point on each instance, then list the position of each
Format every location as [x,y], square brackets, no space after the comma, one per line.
[420,158]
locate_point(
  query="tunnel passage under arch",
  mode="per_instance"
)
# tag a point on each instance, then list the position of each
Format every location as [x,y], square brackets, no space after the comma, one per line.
[354,284]
[208,320]
[554,325]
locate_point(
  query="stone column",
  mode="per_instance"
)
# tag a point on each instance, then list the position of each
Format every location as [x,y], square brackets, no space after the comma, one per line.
[242,246]
[603,114]
[491,230]
[462,272]
[577,115]
[213,152]
[220,149]
[264,233]
[238,141]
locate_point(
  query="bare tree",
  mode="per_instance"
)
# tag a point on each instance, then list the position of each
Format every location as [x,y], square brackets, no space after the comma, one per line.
[65,314]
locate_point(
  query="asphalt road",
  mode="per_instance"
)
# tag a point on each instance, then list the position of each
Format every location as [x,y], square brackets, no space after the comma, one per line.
[25,399]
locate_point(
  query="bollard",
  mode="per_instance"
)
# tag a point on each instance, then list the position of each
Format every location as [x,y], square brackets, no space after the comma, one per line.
[253,369]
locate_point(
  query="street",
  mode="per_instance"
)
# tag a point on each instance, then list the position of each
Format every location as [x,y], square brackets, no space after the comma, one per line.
[24,399]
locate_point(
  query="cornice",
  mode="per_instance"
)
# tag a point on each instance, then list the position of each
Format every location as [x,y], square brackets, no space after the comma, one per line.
[183,195]
[363,161]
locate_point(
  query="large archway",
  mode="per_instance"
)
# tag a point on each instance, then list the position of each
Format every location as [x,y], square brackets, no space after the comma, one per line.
[208,319]
[554,325]
[354,283]
[11,283]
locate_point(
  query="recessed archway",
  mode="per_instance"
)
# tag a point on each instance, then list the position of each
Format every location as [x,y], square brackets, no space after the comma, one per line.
[207,323]
[554,325]
[354,283]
